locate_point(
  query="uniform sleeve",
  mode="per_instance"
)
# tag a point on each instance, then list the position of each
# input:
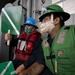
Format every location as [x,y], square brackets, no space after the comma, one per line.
[37,54]
[14,42]
[40,56]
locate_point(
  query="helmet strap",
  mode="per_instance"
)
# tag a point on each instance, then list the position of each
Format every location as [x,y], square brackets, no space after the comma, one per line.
[52,18]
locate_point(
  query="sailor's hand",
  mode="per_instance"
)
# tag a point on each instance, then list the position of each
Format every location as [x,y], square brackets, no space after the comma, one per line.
[8,36]
[20,69]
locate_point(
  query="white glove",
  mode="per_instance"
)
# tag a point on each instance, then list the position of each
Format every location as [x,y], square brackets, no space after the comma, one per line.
[46,27]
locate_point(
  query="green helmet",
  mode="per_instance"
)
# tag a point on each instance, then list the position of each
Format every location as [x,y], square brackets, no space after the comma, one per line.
[55,9]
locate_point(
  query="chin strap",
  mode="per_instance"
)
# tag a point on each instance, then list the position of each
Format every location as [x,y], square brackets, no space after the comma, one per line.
[52,18]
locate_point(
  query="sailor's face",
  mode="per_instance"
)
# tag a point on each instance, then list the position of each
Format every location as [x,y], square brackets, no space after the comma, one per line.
[29,26]
[47,25]
[46,19]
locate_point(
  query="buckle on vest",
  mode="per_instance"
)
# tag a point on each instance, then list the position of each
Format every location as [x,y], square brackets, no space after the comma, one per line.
[50,57]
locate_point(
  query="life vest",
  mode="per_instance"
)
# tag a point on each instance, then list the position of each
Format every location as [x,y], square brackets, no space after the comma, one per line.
[60,57]
[25,45]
